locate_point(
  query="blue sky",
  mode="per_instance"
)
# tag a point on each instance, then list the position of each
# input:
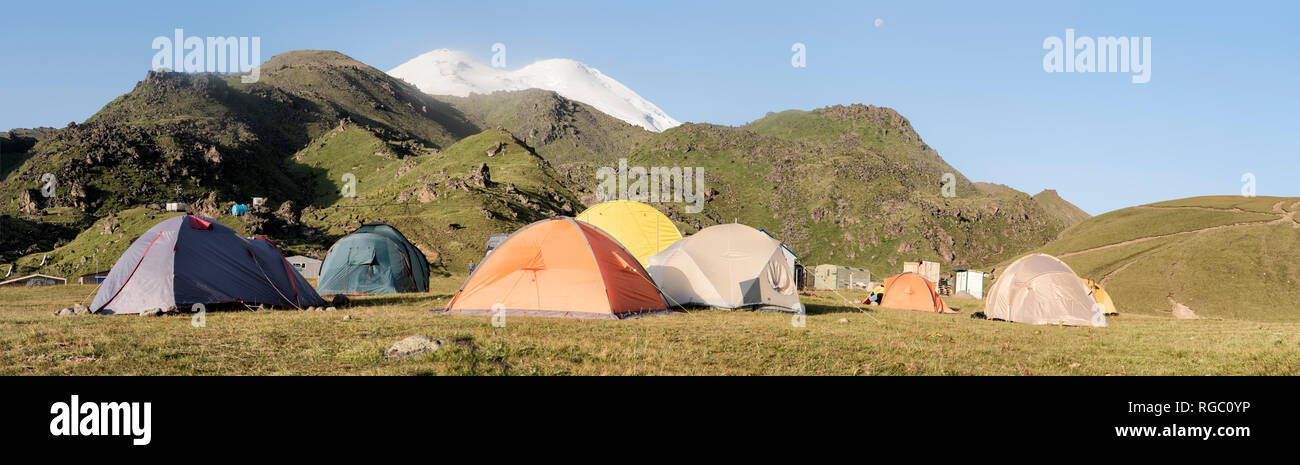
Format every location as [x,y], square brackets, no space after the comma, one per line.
[1222,100]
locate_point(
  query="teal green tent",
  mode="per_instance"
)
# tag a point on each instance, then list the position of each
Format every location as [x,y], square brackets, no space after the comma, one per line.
[374,259]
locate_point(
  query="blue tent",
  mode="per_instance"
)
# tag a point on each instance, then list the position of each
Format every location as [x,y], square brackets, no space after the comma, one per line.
[374,259]
[187,260]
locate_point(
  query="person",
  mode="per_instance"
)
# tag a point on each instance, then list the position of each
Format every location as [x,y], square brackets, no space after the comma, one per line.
[877,294]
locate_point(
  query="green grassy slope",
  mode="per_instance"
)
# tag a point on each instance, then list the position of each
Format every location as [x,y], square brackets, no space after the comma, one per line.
[869,197]
[177,137]
[438,199]
[97,248]
[1065,212]
[1222,257]
[569,134]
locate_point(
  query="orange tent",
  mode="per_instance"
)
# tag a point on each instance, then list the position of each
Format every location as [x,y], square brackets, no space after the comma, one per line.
[559,267]
[911,291]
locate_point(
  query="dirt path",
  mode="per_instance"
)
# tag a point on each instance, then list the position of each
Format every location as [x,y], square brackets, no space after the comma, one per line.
[1180,311]
[1121,268]
[1180,233]
[1287,216]
[1192,207]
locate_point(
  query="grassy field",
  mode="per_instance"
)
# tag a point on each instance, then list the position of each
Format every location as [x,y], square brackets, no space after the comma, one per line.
[838,339]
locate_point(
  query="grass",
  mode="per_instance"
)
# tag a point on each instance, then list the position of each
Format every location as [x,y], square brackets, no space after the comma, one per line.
[1137,222]
[1244,271]
[838,339]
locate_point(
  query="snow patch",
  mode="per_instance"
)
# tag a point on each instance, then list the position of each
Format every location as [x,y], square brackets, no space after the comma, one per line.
[448,72]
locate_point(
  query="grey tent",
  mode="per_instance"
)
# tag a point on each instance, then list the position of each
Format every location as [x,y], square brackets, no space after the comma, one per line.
[187,260]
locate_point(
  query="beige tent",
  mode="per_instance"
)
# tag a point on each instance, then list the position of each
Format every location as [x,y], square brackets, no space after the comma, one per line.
[1042,290]
[726,266]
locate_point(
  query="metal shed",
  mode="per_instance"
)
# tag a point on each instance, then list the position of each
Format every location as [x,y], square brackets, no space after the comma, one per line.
[839,277]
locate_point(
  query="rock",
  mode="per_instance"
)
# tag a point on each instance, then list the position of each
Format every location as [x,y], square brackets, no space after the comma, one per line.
[412,346]
[339,301]
[348,318]
[212,155]
[109,224]
[207,206]
[844,320]
[480,176]
[285,214]
[65,312]
[152,312]
[30,201]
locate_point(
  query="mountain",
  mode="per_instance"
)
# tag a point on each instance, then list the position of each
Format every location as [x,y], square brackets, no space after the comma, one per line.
[1065,212]
[211,141]
[1222,257]
[567,132]
[448,72]
[176,136]
[852,185]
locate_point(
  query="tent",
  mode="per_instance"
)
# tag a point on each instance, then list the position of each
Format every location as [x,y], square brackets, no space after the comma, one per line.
[559,267]
[641,229]
[374,259]
[910,291]
[726,266]
[1101,296]
[1040,289]
[187,260]
[789,257]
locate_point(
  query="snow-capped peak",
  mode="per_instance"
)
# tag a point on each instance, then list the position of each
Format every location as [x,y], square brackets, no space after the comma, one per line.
[448,72]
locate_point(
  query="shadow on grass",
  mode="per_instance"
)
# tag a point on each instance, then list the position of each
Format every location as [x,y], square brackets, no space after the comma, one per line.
[823,309]
[394,299]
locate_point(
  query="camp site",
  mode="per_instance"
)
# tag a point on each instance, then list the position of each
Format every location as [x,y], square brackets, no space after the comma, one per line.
[250,228]
[409,198]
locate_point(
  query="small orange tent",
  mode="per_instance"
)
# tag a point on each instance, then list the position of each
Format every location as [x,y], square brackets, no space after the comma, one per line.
[559,267]
[911,291]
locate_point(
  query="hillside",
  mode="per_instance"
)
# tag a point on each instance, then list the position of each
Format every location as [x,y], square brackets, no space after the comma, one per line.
[569,134]
[178,136]
[851,185]
[446,202]
[1066,213]
[1221,257]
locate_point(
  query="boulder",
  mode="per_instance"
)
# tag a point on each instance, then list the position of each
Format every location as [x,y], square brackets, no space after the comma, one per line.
[412,346]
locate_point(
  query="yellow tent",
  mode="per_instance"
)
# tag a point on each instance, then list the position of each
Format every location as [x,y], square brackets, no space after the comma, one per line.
[1103,299]
[641,229]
